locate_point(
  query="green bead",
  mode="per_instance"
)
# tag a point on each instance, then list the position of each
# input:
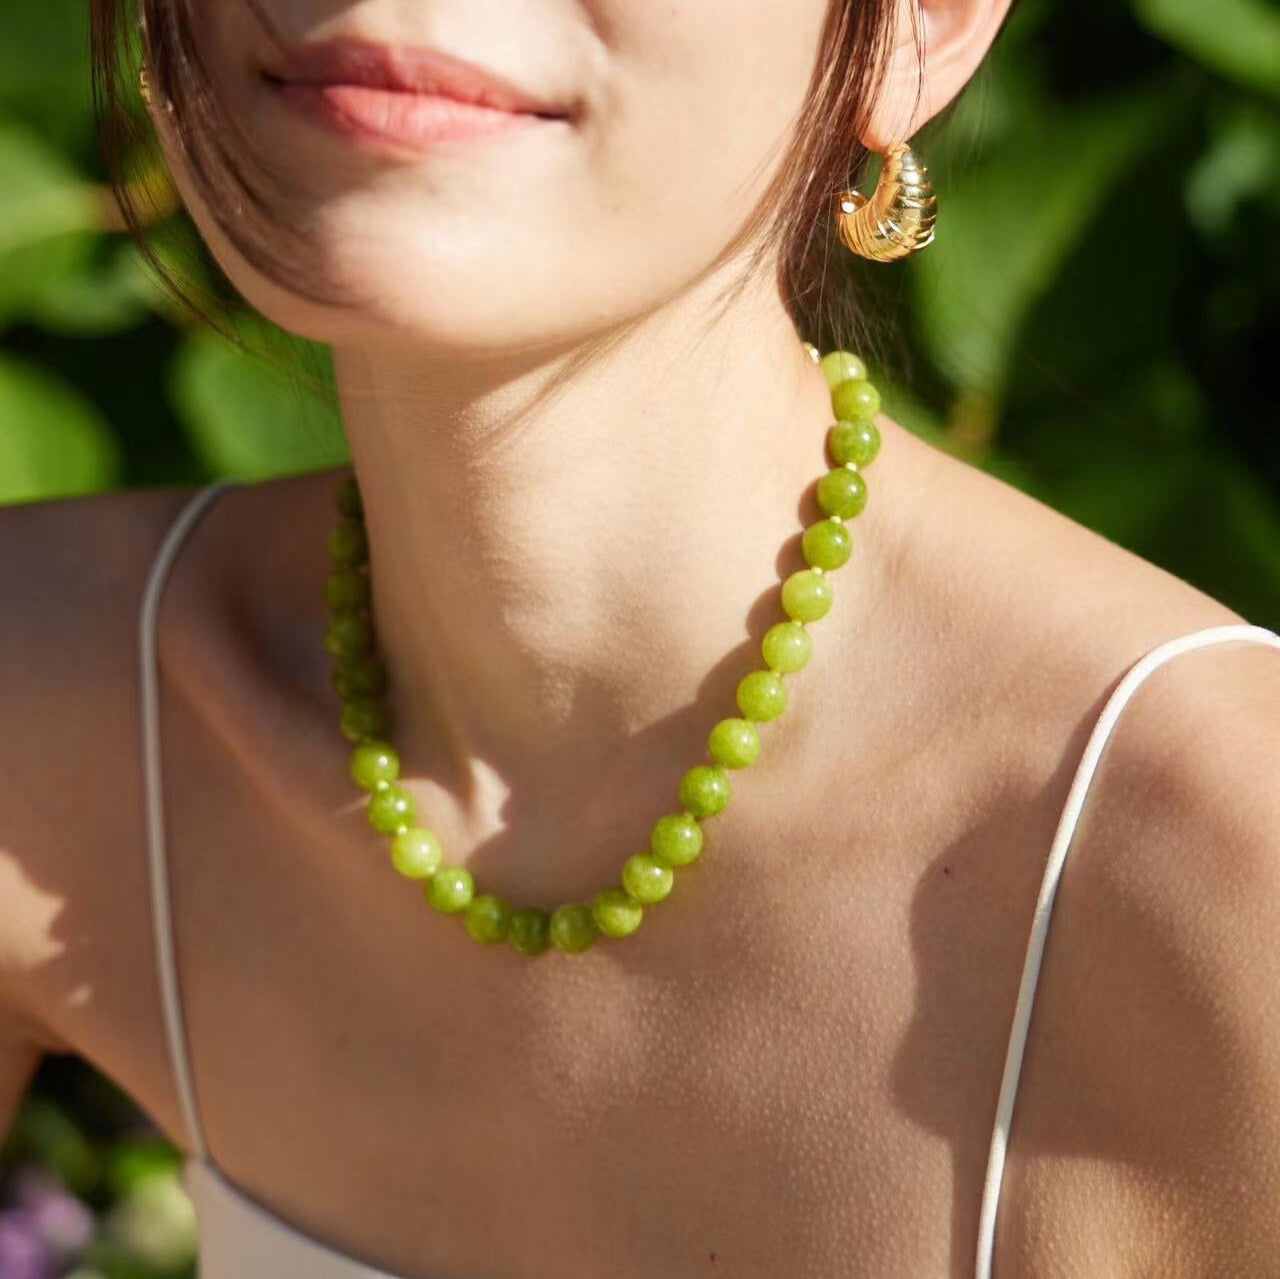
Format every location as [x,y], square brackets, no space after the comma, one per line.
[348,634]
[348,544]
[348,496]
[573,927]
[416,852]
[856,442]
[529,930]
[786,646]
[807,595]
[365,674]
[616,914]
[676,839]
[373,762]
[838,366]
[449,889]
[826,544]
[646,878]
[705,790]
[855,400]
[364,717]
[391,808]
[734,743]
[341,681]
[842,492]
[762,695]
[487,919]
[346,588]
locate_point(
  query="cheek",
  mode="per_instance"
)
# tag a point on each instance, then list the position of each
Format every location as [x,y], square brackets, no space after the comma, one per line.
[549,234]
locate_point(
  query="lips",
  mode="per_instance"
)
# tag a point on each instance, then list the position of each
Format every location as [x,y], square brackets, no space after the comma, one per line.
[406,70]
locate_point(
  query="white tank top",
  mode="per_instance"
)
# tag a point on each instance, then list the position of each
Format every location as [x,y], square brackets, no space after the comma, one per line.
[239,1238]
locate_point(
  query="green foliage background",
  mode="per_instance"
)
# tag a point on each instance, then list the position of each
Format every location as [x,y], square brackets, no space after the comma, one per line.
[1091,324]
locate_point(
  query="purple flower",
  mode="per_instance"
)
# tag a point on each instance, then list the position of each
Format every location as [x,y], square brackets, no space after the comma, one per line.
[23,1254]
[58,1219]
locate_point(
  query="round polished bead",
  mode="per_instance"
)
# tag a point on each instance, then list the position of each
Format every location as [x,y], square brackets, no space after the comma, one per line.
[573,927]
[348,544]
[346,588]
[734,743]
[365,674]
[348,634]
[646,878]
[786,646]
[391,808]
[416,852]
[855,400]
[856,442]
[373,762]
[364,717]
[450,889]
[487,918]
[807,595]
[762,695]
[826,544]
[616,914]
[705,790]
[839,366]
[348,496]
[341,681]
[529,930]
[842,492]
[676,839]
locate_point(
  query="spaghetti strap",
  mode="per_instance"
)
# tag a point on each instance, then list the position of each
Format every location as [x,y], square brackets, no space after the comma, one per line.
[1111,711]
[154,796]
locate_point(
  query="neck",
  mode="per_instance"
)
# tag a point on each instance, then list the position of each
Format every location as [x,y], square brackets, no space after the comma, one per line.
[568,550]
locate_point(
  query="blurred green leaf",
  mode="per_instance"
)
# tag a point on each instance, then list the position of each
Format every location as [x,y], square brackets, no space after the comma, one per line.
[44,70]
[49,219]
[1005,228]
[1238,38]
[53,441]
[108,293]
[245,419]
[135,1158]
[44,1134]
[1241,164]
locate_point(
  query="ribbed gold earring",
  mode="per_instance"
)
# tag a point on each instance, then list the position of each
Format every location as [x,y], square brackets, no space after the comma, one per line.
[897,219]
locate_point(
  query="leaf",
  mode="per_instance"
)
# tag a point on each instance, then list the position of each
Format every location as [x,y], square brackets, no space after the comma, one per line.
[1006,227]
[53,441]
[49,218]
[44,70]
[1239,39]
[1241,164]
[243,417]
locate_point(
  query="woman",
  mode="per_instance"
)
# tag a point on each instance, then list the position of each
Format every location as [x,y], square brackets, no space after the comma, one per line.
[587,434]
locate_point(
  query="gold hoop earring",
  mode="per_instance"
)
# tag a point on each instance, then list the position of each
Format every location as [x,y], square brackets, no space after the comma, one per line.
[897,219]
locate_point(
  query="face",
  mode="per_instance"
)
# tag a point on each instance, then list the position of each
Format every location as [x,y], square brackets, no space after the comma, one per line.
[673,118]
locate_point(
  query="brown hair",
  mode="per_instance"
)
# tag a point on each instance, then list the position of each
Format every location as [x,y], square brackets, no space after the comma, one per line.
[793,220]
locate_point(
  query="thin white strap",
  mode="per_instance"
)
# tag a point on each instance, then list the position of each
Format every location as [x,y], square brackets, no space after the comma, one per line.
[1049,887]
[154,796]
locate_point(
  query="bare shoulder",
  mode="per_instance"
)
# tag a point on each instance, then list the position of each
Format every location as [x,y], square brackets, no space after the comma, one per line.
[1150,1072]
[71,577]
[1148,1111]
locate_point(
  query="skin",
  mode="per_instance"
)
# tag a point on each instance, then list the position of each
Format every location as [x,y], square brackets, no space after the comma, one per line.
[795,1062]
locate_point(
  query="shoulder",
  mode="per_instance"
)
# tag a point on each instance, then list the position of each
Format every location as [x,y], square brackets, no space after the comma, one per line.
[1159,1000]
[1149,1084]
[71,577]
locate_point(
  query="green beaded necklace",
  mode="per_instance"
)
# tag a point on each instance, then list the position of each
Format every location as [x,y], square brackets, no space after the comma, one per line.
[676,839]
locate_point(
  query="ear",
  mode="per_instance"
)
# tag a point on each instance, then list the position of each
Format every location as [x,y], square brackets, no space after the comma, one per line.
[938,45]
